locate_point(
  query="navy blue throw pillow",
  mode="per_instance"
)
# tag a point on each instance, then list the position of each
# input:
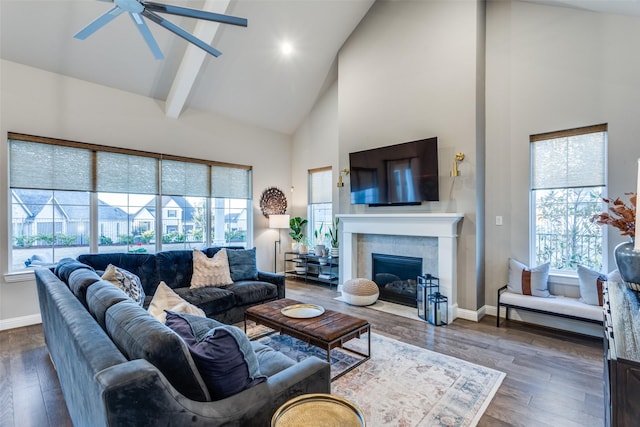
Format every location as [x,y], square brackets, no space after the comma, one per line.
[242,264]
[224,355]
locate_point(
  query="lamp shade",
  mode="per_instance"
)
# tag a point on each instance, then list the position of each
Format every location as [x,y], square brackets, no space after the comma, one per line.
[278,221]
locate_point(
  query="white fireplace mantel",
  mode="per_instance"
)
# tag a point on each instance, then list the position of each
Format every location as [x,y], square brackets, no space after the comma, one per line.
[444,226]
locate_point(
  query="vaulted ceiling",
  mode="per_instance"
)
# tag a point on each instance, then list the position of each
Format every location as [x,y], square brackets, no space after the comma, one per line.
[253,81]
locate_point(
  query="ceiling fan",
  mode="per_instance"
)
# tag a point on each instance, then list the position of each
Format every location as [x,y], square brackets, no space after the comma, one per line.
[139,8]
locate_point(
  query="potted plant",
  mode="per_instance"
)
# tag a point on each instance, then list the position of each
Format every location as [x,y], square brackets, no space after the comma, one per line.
[333,237]
[623,217]
[297,232]
[319,239]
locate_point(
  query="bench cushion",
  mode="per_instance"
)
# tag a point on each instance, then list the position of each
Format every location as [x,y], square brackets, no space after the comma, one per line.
[554,304]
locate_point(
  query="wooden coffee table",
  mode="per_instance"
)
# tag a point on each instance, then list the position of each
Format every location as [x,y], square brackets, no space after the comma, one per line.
[329,330]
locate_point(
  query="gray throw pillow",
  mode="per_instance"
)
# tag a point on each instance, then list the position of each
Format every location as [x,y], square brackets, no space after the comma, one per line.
[242,263]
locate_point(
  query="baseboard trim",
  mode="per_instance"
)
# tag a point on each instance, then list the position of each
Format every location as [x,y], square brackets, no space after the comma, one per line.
[18,322]
[473,315]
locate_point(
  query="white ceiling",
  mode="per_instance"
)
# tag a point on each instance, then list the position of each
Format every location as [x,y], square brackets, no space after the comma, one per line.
[252,81]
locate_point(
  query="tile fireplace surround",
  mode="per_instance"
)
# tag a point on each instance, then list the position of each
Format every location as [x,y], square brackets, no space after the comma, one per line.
[443,226]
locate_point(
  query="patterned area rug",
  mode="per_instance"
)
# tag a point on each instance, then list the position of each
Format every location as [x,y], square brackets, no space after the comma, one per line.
[403,385]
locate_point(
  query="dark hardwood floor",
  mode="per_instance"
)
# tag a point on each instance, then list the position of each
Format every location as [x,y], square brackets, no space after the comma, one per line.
[553,378]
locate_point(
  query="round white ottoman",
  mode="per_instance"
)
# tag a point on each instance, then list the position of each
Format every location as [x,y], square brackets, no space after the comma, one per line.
[360,291]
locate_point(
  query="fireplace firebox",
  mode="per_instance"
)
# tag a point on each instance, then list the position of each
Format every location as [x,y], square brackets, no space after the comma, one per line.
[396,277]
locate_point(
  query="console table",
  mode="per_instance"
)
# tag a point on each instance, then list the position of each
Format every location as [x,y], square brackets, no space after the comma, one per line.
[621,355]
[324,269]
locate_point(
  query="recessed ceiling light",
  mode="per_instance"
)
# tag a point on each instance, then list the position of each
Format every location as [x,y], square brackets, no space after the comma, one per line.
[286,48]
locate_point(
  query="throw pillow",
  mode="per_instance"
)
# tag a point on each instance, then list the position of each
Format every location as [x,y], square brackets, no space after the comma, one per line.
[125,280]
[224,356]
[242,263]
[210,271]
[591,283]
[528,281]
[166,299]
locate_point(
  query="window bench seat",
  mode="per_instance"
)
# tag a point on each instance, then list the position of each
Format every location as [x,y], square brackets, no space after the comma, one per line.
[556,305]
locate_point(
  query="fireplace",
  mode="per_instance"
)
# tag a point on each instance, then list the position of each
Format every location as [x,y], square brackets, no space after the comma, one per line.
[396,277]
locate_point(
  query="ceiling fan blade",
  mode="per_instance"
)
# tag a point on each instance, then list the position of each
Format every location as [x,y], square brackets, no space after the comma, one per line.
[180,32]
[98,23]
[146,33]
[198,14]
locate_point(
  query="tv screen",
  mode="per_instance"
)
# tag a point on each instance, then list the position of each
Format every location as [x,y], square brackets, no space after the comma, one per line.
[400,174]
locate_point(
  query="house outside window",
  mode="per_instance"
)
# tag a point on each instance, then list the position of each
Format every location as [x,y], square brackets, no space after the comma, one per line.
[568,180]
[56,214]
[320,206]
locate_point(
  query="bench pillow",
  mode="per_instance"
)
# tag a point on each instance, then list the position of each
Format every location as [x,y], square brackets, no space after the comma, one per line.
[528,281]
[591,283]
[224,355]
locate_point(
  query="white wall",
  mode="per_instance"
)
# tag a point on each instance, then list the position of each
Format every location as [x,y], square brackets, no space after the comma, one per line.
[46,104]
[409,71]
[552,68]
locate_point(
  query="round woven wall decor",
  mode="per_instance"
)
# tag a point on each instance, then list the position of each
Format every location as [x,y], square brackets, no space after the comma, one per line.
[273,202]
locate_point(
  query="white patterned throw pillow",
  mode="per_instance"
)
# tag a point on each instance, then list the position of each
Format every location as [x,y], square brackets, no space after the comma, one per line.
[125,280]
[210,271]
[166,299]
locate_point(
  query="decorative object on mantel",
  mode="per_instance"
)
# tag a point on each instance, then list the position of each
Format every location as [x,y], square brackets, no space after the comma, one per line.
[340,183]
[627,254]
[273,202]
[458,158]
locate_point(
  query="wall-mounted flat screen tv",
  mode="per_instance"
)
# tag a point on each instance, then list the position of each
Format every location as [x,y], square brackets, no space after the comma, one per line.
[401,174]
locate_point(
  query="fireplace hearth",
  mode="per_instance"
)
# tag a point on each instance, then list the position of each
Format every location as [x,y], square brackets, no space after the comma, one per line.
[396,277]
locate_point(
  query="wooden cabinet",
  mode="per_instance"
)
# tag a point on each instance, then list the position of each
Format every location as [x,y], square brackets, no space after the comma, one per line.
[621,355]
[323,269]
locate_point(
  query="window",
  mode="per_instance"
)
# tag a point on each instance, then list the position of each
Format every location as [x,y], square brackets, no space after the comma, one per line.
[320,207]
[568,179]
[69,198]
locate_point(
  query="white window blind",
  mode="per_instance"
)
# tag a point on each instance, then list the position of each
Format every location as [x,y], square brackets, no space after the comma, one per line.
[320,186]
[569,161]
[125,173]
[185,178]
[230,182]
[49,167]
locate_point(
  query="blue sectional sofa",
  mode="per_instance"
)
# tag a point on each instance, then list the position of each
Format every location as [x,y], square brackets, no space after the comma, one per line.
[119,366]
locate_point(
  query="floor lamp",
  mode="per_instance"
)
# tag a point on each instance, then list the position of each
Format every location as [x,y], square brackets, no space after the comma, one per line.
[279,222]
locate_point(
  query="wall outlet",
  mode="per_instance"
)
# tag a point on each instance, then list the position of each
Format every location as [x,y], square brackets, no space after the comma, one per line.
[499,220]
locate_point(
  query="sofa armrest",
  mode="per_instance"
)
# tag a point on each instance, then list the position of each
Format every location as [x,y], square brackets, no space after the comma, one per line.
[137,394]
[276,279]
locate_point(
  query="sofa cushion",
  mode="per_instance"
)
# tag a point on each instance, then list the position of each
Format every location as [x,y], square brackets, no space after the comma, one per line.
[210,271]
[125,280]
[251,291]
[271,361]
[80,280]
[166,299]
[223,355]
[242,263]
[591,283]
[66,266]
[142,265]
[175,268]
[528,281]
[140,336]
[102,295]
[211,300]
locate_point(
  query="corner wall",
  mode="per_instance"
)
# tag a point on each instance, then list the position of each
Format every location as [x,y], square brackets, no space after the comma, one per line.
[552,68]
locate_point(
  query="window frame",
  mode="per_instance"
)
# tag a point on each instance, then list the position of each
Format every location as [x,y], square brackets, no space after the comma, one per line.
[319,200]
[564,274]
[93,230]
